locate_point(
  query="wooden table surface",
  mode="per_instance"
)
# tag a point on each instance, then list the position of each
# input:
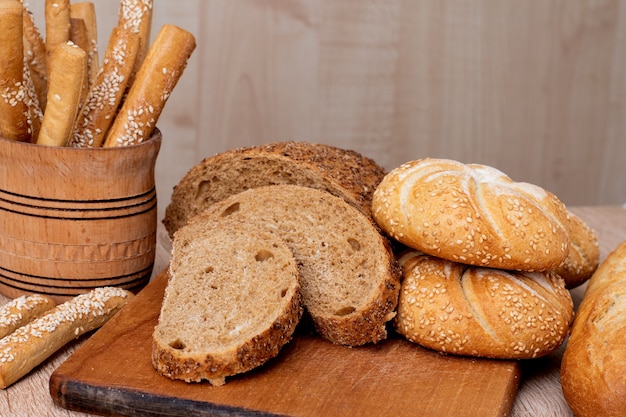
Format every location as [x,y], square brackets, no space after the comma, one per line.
[539,392]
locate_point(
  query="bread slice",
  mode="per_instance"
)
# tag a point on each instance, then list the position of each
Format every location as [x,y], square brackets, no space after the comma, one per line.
[349,276]
[232,301]
[344,173]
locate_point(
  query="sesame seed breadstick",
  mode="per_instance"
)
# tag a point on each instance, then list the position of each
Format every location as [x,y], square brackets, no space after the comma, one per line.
[35,55]
[22,310]
[67,70]
[33,343]
[157,77]
[106,94]
[57,16]
[86,11]
[14,121]
[136,16]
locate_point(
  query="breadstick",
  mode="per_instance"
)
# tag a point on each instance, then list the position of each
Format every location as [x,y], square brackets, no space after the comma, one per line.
[35,55]
[57,16]
[106,94]
[14,123]
[136,15]
[68,67]
[87,12]
[78,36]
[22,310]
[33,343]
[157,77]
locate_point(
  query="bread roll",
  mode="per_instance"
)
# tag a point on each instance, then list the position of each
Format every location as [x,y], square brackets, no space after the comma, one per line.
[244,311]
[68,69]
[473,214]
[157,77]
[31,344]
[106,94]
[593,369]
[583,256]
[14,109]
[21,310]
[484,312]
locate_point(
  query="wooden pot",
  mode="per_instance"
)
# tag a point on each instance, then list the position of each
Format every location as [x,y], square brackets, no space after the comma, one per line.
[72,219]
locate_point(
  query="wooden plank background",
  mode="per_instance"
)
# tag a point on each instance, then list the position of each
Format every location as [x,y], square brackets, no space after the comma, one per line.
[534,88]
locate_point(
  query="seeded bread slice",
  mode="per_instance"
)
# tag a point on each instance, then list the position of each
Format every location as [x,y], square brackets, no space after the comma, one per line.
[349,277]
[344,173]
[232,301]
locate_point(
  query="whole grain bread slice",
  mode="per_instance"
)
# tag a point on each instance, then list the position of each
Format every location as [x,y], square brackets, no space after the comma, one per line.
[232,301]
[349,276]
[344,173]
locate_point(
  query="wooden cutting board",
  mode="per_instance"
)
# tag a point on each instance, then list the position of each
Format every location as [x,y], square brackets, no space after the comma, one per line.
[111,374]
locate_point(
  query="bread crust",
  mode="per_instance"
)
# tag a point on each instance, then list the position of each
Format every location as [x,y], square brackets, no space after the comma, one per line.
[483,312]
[343,173]
[312,223]
[583,256]
[31,344]
[473,214]
[593,369]
[162,68]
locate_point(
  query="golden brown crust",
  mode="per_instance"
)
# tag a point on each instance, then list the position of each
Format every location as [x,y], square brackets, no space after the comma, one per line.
[343,173]
[157,77]
[22,310]
[473,214]
[593,370]
[106,94]
[35,55]
[136,16]
[583,256]
[68,69]
[86,12]
[57,17]
[484,312]
[32,343]
[14,110]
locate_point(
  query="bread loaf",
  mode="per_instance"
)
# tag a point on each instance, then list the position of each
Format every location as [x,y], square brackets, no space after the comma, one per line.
[349,276]
[344,173]
[31,344]
[232,301]
[86,12]
[593,369]
[583,256]
[484,312]
[473,214]
[21,310]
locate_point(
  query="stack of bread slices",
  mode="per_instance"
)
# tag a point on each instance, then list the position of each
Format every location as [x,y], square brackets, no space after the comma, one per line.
[260,234]
[460,258]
